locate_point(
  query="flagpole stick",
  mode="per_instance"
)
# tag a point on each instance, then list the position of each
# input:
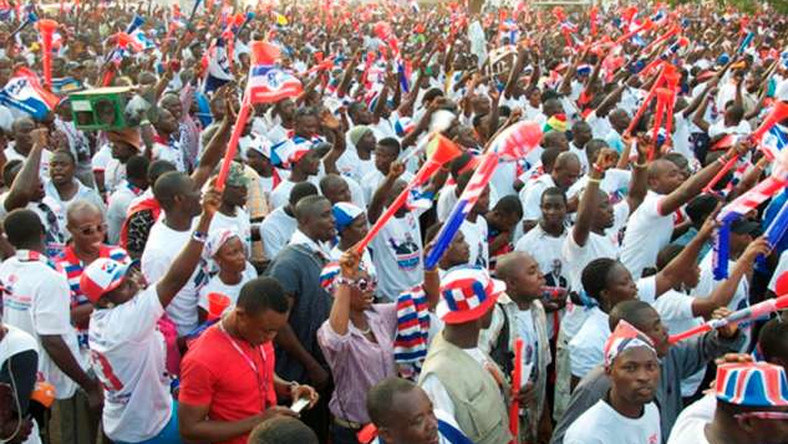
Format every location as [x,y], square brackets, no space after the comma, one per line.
[232,146]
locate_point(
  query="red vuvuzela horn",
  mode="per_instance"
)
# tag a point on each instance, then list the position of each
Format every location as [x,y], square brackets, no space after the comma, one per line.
[778,113]
[46,27]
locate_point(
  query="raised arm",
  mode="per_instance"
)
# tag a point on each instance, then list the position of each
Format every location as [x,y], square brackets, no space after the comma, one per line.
[639,185]
[215,149]
[184,264]
[694,185]
[378,201]
[670,276]
[589,202]
[722,295]
[26,182]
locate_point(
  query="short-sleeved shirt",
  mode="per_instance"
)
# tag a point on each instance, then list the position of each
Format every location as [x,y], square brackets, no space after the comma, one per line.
[276,230]
[397,252]
[36,300]
[602,424]
[648,231]
[128,356]
[298,268]
[230,375]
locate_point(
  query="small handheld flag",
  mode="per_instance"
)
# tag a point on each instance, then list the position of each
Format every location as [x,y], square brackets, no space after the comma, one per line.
[267,83]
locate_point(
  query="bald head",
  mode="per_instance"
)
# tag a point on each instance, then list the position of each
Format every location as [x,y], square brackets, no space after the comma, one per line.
[309,208]
[566,160]
[169,185]
[80,210]
[508,264]
[555,139]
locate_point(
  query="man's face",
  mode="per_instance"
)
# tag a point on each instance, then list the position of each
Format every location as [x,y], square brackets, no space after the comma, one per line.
[235,195]
[458,252]
[367,142]
[414,421]
[356,230]
[310,163]
[338,192]
[322,224]
[553,210]
[22,136]
[668,179]
[604,217]
[527,281]
[384,157]
[581,134]
[262,327]
[635,375]
[173,105]
[307,126]
[567,175]
[61,168]
[87,229]
[651,325]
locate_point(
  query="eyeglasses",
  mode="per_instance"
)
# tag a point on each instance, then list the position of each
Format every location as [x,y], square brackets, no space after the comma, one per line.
[364,284]
[88,230]
[763,415]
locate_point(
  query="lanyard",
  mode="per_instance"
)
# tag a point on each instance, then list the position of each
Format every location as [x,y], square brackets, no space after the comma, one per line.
[263,356]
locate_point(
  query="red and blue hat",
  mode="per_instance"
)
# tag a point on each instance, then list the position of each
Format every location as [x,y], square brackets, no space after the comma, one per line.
[102,276]
[623,338]
[752,384]
[467,294]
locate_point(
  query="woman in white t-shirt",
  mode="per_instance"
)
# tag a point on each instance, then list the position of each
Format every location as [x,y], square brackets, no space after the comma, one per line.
[228,252]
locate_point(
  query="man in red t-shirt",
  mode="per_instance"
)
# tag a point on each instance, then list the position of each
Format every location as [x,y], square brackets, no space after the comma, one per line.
[228,384]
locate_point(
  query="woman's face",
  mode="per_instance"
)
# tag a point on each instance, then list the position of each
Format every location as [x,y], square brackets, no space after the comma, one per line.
[362,293]
[620,286]
[231,256]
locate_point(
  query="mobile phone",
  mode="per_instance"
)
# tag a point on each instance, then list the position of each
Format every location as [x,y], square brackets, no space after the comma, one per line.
[299,404]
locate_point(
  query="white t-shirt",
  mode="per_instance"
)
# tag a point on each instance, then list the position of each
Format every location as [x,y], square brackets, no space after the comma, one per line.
[577,257]
[216,285]
[350,165]
[169,153]
[276,230]
[164,245]
[615,184]
[691,423]
[531,196]
[397,253]
[374,179]
[476,237]
[17,341]
[37,300]
[447,200]
[128,355]
[647,232]
[586,348]
[602,424]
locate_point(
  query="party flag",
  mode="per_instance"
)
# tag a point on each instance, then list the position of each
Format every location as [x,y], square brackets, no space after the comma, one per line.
[267,83]
[218,72]
[25,93]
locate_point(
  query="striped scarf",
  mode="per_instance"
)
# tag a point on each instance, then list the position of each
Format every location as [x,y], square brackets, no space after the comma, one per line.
[413,324]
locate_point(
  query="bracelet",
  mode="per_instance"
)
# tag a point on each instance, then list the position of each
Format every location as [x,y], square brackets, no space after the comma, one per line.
[723,159]
[293,386]
[641,165]
[199,236]
[341,280]
[592,180]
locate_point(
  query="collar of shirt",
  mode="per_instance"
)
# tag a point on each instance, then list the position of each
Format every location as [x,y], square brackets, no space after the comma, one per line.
[299,238]
[33,256]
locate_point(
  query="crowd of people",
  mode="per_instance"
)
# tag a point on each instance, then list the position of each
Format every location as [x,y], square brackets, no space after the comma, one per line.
[149,298]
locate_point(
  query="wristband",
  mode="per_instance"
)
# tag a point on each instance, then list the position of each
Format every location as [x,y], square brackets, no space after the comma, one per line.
[592,180]
[641,165]
[199,236]
[341,280]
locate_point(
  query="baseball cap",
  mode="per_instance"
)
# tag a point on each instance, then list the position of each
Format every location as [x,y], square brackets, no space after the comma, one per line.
[102,276]
[467,294]
[345,213]
[752,384]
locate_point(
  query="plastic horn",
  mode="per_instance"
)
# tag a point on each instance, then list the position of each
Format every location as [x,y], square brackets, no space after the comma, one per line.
[232,146]
[135,24]
[646,102]
[194,11]
[673,31]
[517,376]
[628,35]
[776,230]
[445,152]
[249,17]
[746,42]
[47,27]
[31,18]
[745,314]
[671,102]
[721,248]
[720,174]
[481,177]
[777,114]
[663,95]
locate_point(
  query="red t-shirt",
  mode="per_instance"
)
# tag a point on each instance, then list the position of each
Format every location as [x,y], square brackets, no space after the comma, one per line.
[217,373]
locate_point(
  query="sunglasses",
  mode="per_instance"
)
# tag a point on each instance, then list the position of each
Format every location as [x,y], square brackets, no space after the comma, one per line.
[90,229]
[365,284]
